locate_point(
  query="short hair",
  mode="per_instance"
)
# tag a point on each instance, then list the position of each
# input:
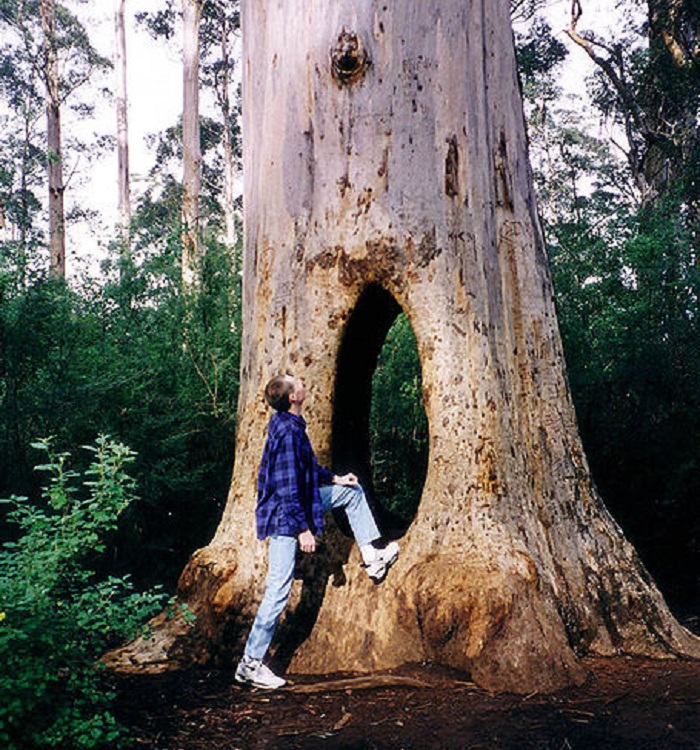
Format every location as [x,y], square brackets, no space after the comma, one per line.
[278,391]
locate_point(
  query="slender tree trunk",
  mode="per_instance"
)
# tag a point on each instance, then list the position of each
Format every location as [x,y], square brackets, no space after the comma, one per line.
[123,182]
[223,93]
[191,153]
[24,213]
[57,240]
[385,168]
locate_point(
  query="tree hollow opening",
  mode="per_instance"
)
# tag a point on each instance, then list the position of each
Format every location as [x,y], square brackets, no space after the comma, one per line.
[380,430]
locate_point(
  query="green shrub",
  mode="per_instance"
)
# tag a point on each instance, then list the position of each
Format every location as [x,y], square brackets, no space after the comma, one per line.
[56,615]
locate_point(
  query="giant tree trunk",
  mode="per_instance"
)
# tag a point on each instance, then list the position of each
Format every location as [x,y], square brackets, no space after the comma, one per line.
[386,168]
[57,228]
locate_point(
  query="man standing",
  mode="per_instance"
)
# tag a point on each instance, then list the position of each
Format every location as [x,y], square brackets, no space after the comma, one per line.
[294,492]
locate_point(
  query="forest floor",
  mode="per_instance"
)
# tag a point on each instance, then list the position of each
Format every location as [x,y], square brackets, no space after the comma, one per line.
[626,704]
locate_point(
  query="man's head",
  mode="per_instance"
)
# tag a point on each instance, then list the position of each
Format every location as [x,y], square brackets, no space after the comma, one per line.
[284,392]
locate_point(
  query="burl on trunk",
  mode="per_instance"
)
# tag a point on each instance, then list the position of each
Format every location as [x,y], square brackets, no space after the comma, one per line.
[386,169]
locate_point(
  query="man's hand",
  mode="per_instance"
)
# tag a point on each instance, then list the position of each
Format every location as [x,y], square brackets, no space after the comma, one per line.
[307,541]
[347,480]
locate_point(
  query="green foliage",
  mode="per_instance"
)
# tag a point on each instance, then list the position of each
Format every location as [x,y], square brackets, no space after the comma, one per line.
[626,283]
[114,358]
[56,615]
[627,295]
[22,168]
[398,425]
[24,158]
[26,42]
[538,52]
[647,83]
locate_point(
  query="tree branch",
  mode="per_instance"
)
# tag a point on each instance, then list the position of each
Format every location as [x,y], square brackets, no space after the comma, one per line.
[615,77]
[635,118]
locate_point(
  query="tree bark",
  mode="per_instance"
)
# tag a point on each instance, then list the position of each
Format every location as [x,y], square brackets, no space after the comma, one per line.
[57,230]
[191,151]
[124,188]
[385,168]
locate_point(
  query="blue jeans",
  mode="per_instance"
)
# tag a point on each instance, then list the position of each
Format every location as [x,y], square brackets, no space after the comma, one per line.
[281,556]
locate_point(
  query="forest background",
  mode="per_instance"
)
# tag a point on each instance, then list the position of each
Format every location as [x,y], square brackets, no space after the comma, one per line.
[134,331]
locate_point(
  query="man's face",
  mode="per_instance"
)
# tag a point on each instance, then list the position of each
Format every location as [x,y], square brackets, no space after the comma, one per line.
[298,393]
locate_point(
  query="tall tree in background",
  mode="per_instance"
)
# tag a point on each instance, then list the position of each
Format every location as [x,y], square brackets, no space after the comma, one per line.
[623,247]
[22,165]
[220,126]
[47,43]
[51,78]
[671,92]
[654,90]
[124,189]
[191,147]
[221,20]
[404,185]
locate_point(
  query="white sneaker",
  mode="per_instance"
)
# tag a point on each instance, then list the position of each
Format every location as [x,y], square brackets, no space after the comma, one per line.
[254,672]
[383,560]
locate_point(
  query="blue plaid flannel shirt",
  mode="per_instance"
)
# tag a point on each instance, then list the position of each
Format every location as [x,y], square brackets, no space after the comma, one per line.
[288,498]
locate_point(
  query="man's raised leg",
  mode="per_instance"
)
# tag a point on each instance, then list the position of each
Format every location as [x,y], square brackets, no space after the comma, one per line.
[353,500]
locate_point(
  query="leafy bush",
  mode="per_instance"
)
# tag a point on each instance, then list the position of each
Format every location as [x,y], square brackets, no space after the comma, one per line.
[109,357]
[56,615]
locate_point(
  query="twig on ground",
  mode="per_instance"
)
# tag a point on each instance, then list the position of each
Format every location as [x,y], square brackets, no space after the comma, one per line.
[359,683]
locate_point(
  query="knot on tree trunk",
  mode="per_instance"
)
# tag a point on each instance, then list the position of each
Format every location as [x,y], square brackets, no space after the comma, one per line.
[348,58]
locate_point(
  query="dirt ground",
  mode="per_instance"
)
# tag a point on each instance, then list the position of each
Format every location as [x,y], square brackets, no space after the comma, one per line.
[630,704]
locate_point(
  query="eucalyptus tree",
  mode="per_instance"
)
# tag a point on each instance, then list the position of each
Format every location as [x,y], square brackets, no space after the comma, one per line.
[191,147]
[220,26]
[207,147]
[57,232]
[45,42]
[22,166]
[649,80]
[120,68]
[386,170]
